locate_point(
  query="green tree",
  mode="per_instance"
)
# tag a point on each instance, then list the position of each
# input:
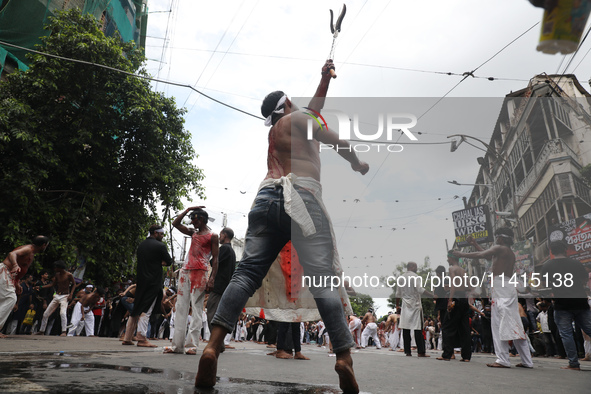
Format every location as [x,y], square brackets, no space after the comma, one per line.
[425,272]
[89,154]
[360,303]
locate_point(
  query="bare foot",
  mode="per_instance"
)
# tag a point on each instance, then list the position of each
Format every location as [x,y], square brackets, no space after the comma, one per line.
[230,347]
[569,367]
[496,365]
[283,354]
[300,356]
[2,335]
[344,368]
[191,351]
[145,344]
[129,343]
[272,353]
[208,366]
[64,334]
[168,350]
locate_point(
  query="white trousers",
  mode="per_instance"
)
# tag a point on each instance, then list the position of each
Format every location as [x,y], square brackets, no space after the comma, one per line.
[62,302]
[144,320]
[7,294]
[394,338]
[76,319]
[171,335]
[206,332]
[355,328]
[188,296]
[371,330]
[502,347]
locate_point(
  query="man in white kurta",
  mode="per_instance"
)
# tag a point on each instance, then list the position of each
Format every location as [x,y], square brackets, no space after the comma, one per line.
[409,291]
[505,321]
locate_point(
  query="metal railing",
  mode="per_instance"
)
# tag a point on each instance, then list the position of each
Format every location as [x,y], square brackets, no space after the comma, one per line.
[551,148]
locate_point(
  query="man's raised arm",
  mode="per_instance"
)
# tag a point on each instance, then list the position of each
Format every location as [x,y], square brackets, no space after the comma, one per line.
[317,102]
[343,148]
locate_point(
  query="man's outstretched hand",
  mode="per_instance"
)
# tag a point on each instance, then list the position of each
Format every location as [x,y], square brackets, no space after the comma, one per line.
[362,167]
[329,65]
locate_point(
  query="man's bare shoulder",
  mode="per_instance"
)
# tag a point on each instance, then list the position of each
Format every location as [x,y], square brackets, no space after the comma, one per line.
[456,270]
[505,250]
[24,250]
[498,249]
[295,122]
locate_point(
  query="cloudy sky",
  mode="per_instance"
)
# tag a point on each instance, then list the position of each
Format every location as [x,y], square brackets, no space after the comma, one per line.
[399,51]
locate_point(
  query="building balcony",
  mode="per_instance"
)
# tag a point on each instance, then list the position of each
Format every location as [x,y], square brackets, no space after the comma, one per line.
[553,149]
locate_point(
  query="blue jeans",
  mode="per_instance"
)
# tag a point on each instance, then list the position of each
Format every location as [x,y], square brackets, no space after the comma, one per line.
[127,305]
[564,321]
[269,229]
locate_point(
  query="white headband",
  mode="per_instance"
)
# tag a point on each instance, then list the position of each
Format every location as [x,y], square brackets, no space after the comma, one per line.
[269,121]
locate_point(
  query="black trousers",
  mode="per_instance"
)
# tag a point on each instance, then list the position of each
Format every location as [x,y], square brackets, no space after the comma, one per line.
[418,339]
[285,332]
[456,330]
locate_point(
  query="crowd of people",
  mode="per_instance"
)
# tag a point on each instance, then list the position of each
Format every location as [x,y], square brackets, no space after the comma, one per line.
[542,324]
[212,290]
[54,303]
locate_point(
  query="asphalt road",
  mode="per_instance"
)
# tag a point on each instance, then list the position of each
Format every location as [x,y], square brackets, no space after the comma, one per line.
[101,365]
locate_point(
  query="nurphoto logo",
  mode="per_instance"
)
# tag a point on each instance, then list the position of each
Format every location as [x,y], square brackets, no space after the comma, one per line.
[388,126]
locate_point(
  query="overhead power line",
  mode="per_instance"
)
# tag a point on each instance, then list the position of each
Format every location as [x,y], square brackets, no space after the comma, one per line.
[131,75]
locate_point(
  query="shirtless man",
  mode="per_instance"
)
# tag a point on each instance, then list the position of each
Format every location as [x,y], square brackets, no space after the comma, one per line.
[12,269]
[355,327]
[370,330]
[456,323]
[392,329]
[193,282]
[83,313]
[62,281]
[504,304]
[291,187]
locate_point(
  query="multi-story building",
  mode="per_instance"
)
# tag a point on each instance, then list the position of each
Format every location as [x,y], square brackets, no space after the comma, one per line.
[22,24]
[531,172]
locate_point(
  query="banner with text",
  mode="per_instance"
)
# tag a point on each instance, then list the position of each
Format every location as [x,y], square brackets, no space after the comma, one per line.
[577,234]
[473,221]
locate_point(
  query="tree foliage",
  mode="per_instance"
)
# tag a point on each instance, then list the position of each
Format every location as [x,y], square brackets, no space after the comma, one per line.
[89,154]
[360,303]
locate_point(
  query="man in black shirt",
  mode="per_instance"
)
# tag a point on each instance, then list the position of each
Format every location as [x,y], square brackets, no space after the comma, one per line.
[152,255]
[567,278]
[226,265]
